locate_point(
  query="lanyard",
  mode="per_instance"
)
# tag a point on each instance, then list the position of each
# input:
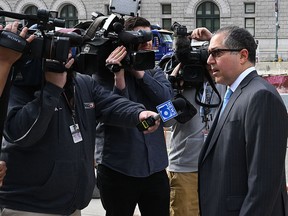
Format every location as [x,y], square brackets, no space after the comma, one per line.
[72,104]
[74,129]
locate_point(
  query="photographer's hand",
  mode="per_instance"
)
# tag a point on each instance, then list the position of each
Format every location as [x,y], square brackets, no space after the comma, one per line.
[146,114]
[176,70]
[59,79]
[115,58]
[175,73]
[201,34]
[8,56]
[173,77]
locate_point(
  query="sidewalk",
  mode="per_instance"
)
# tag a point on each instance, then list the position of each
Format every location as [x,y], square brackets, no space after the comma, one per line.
[95,208]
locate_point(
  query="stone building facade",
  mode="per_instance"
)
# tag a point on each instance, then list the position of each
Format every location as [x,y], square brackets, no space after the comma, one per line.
[259,16]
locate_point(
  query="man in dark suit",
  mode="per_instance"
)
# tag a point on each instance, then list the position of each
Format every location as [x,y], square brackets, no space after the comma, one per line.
[242,163]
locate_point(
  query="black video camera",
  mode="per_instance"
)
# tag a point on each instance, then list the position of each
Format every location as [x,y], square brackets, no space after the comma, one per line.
[179,29]
[136,59]
[102,36]
[194,69]
[47,44]
[193,60]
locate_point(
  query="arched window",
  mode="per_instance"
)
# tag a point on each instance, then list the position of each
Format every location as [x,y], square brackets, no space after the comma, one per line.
[2,19]
[208,15]
[31,10]
[70,14]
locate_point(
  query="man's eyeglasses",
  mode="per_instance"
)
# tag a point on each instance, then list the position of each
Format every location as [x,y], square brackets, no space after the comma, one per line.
[218,52]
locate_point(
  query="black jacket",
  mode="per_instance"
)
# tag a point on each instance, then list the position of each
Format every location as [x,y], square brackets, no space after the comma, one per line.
[134,154]
[242,162]
[47,171]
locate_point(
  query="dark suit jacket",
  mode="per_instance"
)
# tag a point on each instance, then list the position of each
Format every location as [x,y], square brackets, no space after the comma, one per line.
[242,163]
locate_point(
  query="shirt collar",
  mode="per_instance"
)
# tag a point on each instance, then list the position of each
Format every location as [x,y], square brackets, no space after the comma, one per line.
[237,82]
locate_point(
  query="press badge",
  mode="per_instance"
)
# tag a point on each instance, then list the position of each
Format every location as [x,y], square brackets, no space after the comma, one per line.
[76,134]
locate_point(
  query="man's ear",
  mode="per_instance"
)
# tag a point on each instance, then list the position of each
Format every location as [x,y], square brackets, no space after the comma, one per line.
[244,56]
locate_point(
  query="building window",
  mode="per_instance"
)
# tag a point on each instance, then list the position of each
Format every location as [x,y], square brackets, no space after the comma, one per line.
[166,8]
[2,19]
[250,17]
[70,14]
[250,25]
[249,8]
[166,23]
[31,10]
[208,15]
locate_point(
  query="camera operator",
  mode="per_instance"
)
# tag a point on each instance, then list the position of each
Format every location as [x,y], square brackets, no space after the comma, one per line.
[7,58]
[187,140]
[49,140]
[131,166]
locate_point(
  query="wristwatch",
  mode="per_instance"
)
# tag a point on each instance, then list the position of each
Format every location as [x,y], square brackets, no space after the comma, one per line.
[114,68]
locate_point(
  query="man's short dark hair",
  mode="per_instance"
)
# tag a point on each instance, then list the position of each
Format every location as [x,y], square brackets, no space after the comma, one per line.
[239,38]
[133,22]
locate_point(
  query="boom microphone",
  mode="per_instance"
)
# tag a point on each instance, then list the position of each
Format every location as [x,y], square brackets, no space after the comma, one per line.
[183,49]
[42,15]
[17,15]
[166,113]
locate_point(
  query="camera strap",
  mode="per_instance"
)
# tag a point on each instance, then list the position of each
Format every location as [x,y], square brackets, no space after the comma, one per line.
[212,84]
[90,32]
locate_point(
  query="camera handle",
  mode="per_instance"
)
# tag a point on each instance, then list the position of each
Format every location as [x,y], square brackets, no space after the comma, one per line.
[90,32]
[12,41]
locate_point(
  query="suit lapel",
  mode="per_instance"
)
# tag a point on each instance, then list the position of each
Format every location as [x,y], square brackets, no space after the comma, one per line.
[219,122]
